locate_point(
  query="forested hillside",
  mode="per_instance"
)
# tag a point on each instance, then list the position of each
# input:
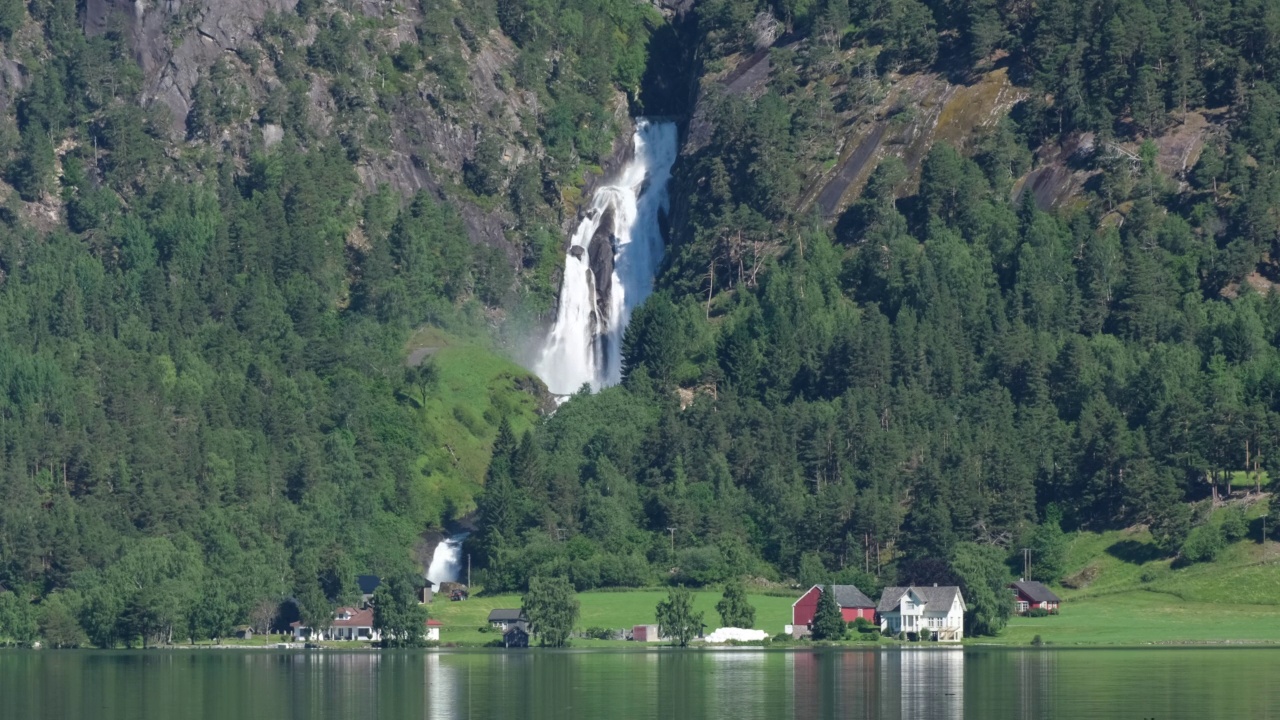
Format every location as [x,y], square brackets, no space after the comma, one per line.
[947,372]
[222,224]
[210,267]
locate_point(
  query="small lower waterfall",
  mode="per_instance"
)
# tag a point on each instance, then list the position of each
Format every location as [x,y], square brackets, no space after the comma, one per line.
[446,562]
[610,266]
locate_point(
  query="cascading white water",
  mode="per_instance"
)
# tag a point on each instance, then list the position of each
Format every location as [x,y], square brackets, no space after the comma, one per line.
[585,344]
[446,562]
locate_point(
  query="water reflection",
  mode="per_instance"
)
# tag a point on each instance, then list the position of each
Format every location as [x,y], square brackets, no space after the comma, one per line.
[913,683]
[888,684]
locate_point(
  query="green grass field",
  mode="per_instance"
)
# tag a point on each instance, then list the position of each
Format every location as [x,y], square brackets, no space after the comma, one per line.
[615,610]
[1143,617]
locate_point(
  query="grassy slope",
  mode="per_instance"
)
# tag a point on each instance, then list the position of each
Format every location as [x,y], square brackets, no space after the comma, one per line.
[1137,597]
[477,387]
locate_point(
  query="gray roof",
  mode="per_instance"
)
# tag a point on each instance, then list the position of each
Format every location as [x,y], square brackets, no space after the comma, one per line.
[849,596]
[940,598]
[505,615]
[1035,591]
[368,583]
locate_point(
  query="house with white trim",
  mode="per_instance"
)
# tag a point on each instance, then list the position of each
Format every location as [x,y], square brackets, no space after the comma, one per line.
[940,610]
[348,624]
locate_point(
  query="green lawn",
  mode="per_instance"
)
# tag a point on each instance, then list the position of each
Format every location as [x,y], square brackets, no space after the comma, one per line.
[1144,617]
[615,610]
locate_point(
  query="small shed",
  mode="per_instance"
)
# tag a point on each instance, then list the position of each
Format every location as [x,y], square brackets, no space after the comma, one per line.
[516,636]
[1030,595]
[433,630]
[244,632]
[426,595]
[646,633]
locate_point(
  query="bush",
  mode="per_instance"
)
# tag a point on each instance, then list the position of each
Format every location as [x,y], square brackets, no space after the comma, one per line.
[863,625]
[1234,525]
[925,635]
[598,633]
[1202,545]
[1036,641]
[1038,613]
[869,637]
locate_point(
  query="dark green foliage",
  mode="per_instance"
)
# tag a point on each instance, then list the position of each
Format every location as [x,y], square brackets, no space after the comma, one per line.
[552,608]
[734,609]
[18,621]
[484,172]
[12,14]
[828,623]
[984,581]
[397,614]
[676,618]
[1048,546]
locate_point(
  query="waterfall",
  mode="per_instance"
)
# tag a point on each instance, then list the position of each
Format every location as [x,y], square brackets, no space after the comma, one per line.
[609,268]
[446,562]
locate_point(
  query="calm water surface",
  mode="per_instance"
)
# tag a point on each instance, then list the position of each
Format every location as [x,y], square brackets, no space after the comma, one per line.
[564,685]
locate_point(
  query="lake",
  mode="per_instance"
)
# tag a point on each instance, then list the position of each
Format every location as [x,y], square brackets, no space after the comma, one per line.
[919,684]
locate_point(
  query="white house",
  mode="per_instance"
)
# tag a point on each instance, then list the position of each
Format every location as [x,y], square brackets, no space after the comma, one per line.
[348,624]
[912,609]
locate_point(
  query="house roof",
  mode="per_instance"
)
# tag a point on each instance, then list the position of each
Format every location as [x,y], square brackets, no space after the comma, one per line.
[432,622]
[939,597]
[519,626]
[505,615]
[1035,591]
[354,617]
[368,583]
[847,596]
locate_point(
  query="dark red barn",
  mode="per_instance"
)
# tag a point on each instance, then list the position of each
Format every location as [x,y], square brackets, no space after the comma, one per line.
[853,605]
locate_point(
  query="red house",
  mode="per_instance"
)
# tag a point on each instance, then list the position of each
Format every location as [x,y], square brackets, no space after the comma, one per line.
[853,605]
[1031,595]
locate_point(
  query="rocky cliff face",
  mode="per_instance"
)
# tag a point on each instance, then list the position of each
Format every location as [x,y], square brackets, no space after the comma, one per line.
[175,42]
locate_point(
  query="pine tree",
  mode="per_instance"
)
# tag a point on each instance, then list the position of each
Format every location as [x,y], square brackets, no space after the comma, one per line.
[828,622]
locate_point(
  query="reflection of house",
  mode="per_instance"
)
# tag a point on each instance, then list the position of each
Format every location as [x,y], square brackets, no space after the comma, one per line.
[348,624]
[516,635]
[853,605]
[502,618]
[368,585]
[940,610]
[433,630]
[1031,595]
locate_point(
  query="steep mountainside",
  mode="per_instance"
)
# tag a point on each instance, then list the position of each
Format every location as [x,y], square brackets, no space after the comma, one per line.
[944,279]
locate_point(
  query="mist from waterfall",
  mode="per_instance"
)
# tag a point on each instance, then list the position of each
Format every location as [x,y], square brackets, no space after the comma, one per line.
[446,562]
[610,266]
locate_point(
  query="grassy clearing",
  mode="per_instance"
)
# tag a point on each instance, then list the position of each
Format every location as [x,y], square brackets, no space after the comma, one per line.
[1145,617]
[1126,593]
[476,389]
[615,610]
